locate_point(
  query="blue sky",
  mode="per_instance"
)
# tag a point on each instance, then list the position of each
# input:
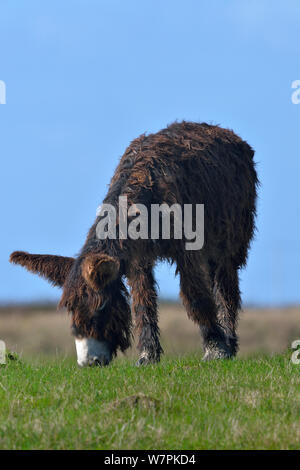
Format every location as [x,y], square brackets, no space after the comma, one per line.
[85,77]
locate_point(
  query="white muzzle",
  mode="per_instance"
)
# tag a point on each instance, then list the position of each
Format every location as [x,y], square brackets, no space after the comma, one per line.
[91,352]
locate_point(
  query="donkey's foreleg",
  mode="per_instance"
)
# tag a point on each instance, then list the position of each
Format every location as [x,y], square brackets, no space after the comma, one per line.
[144,306]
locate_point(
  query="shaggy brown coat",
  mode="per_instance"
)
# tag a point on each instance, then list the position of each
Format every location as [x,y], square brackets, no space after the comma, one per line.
[186,163]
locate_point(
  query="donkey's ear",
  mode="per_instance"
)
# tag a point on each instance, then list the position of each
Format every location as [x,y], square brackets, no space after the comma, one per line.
[53,268]
[99,269]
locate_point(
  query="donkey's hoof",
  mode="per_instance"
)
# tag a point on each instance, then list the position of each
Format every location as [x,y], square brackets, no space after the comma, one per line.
[143,360]
[212,353]
[146,358]
[99,361]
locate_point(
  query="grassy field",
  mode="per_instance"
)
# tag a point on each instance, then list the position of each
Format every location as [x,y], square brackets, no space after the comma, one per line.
[252,402]
[182,403]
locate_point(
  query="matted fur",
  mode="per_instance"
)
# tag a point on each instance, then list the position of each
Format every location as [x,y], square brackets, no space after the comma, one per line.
[53,268]
[186,163]
[99,269]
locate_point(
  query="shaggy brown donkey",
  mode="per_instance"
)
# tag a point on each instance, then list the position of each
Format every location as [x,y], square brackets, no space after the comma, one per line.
[186,163]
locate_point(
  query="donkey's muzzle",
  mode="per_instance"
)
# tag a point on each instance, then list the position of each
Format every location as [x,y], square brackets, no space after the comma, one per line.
[91,352]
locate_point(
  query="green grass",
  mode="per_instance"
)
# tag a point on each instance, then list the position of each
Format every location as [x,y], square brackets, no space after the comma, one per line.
[183,404]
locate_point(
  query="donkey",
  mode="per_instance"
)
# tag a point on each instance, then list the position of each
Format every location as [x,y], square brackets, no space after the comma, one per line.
[185,163]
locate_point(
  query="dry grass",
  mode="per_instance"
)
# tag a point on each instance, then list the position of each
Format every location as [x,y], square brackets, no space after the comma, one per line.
[41,329]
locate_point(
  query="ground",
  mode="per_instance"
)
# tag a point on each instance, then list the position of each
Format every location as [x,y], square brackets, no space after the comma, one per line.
[251,402]
[181,403]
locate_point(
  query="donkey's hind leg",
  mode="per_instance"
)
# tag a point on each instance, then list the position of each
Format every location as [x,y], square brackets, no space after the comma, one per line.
[227,298]
[196,293]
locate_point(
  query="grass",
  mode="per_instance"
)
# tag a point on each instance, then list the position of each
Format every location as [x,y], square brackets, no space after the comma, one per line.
[182,403]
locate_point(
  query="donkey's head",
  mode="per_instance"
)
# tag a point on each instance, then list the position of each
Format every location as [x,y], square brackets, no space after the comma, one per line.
[94,294]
